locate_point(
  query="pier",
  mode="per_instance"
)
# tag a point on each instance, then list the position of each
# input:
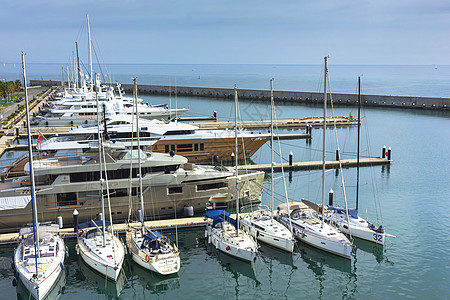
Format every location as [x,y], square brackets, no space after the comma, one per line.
[293,97]
[10,238]
[310,165]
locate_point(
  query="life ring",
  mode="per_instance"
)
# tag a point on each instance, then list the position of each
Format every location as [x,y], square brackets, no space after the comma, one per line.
[147,258]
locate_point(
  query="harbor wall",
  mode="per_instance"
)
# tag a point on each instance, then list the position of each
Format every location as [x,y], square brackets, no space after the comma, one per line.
[428,103]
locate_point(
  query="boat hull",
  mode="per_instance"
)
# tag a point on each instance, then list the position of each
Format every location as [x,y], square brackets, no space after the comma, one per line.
[109,270]
[282,243]
[220,244]
[363,233]
[341,249]
[39,290]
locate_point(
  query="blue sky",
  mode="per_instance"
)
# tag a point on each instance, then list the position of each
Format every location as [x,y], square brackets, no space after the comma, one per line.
[230,32]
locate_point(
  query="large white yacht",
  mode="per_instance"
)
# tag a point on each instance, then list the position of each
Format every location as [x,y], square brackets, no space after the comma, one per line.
[197,145]
[72,182]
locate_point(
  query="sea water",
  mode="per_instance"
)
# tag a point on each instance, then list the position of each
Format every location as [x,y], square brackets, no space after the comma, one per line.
[410,197]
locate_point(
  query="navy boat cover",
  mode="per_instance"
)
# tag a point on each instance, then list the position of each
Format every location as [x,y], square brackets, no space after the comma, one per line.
[353,212]
[220,216]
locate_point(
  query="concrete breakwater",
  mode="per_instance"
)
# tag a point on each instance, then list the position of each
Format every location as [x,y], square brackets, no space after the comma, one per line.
[428,103]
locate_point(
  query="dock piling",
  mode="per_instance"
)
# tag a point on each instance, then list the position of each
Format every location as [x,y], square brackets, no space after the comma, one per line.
[383,153]
[75,220]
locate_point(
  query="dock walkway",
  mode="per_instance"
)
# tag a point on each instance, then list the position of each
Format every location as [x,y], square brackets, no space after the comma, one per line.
[329,164]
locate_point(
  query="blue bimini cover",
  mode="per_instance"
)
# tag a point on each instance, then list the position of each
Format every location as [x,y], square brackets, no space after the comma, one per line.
[154,240]
[153,235]
[220,216]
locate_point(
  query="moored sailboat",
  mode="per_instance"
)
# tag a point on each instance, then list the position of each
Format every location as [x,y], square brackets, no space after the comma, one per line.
[306,224]
[99,247]
[351,223]
[223,231]
[261,223]
[39,257]
[149,249]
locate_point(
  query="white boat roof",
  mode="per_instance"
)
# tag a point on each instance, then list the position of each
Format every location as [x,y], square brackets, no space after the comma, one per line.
[122,122]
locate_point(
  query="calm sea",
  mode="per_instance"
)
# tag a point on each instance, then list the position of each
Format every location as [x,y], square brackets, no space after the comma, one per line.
[410,197]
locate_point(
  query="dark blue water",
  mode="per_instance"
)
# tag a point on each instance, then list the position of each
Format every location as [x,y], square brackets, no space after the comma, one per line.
[410,197]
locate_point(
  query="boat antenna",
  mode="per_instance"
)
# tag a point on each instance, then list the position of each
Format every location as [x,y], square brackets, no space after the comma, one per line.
[30,162]
[90,51]
[100,145]
[324,131]
[236,158]
[359,133]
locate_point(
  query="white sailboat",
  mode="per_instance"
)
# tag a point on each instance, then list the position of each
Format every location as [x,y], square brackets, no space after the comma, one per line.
[306,224]
[149,249]
[261,223]
[223,231]
[39,258]
[99,247]
[352,223]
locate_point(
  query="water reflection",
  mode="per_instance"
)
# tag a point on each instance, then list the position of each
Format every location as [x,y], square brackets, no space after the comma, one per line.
[319,262]
[235,266]
[377,250]
[151,281]
[101,283]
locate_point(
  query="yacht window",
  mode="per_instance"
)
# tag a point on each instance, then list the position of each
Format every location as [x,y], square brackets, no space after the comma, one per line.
[66,199]
[210,186]
[175,190]
[184,147]
[166,148]
[202,147]
[195,147]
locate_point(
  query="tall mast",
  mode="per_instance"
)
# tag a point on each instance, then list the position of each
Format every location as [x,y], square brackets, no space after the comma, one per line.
[30,162]
[90,51]
[271,146]
[100,146]
[139,151]
[78,67]
[324,131]
[359,129]
[236,157]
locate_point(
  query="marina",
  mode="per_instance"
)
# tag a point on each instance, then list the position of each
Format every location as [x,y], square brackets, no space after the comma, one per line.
[188,233]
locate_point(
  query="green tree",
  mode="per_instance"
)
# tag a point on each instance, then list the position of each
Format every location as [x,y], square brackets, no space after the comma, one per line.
[18,85]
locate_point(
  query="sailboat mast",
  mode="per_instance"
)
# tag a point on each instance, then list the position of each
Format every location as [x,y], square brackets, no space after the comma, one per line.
[236,157]
[78,67]
[324,135]
[100,146]
[90,50]
[139,150]
[30,162]
[359,133]
[271,146]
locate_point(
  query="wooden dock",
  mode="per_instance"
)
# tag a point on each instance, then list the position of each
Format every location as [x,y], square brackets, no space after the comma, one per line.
[329,164]
[291,124]
[181,223]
